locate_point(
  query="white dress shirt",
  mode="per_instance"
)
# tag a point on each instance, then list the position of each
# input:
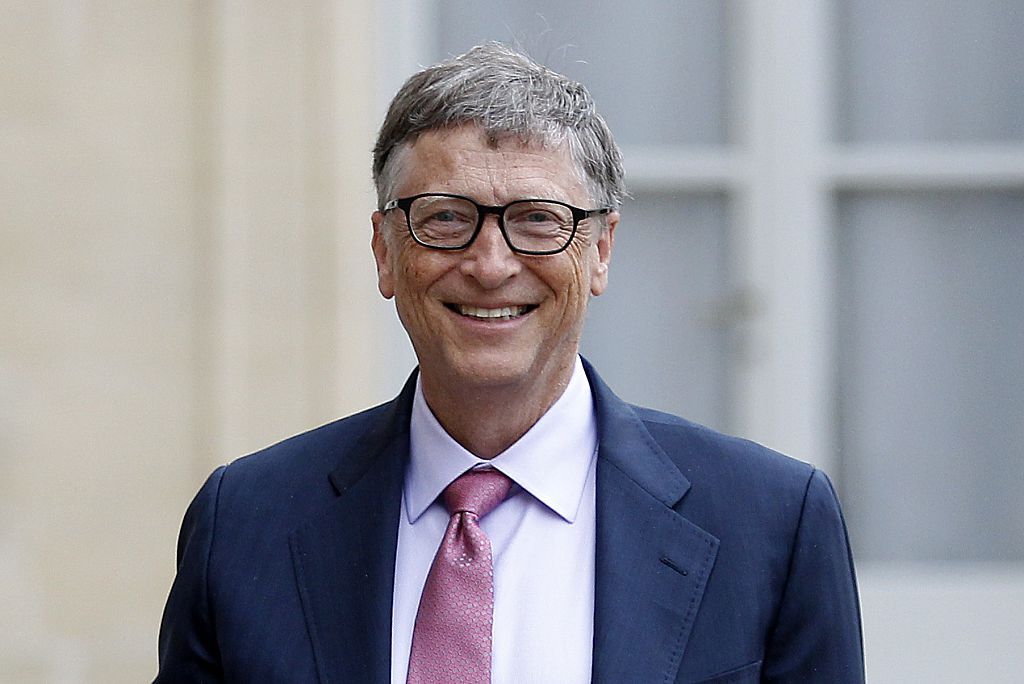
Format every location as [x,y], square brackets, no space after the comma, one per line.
[542,540]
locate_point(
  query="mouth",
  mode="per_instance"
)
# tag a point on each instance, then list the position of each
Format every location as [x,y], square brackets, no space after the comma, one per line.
[504,313]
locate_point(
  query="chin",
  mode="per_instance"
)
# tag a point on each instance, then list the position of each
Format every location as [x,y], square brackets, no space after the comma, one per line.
[492,368]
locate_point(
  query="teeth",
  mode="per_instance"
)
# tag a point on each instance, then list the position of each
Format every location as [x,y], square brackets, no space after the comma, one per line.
[504,312]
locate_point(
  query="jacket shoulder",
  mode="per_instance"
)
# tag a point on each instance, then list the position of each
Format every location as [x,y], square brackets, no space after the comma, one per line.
[316,446]
[700,450]
[296,474]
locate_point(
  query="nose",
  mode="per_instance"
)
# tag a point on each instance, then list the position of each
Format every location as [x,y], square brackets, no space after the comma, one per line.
[489,260]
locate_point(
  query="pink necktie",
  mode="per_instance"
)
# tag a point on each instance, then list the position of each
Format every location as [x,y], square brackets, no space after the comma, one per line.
[452,638]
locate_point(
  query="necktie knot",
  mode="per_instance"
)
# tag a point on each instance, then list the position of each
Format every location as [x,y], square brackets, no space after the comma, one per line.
[476,492]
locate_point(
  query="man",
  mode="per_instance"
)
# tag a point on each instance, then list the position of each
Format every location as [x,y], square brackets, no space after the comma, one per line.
[617,544]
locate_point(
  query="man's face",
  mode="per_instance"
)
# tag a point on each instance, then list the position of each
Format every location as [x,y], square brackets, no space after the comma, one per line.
[448,301]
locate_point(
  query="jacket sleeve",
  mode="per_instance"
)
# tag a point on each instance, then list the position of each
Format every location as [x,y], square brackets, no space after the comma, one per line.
[188,643]
[817,632]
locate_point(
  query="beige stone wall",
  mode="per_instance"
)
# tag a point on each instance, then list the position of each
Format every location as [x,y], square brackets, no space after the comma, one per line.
[184,277]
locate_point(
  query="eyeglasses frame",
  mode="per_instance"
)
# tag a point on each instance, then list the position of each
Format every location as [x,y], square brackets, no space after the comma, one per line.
[405,203]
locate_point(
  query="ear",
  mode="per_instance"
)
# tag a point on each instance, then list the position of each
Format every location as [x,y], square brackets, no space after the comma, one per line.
[381,254]
[605,242]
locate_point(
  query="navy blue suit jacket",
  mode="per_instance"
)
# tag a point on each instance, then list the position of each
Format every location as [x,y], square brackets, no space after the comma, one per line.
[717,559]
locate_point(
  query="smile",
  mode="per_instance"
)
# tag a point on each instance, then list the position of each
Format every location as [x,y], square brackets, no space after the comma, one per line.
[503,313]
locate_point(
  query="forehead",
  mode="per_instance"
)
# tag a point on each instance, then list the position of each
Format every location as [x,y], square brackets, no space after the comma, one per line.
[463,161]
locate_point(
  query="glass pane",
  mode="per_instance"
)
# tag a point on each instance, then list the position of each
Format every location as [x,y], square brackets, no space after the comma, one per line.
[916,70]
[931,373]
[657,334]
[671,91]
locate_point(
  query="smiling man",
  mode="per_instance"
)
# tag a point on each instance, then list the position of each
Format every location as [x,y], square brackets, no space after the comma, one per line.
[507,518]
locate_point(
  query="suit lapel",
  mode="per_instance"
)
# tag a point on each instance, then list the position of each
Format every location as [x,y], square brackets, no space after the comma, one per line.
[345,559]
[652,564]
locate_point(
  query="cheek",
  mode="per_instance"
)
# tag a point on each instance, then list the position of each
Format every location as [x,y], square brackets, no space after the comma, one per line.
[416,273]
[409,272]
[570,281]
[424,271]
[581,279]
[583,265]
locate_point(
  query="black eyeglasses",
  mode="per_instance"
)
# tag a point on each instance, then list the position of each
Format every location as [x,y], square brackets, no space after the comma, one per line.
[529,226]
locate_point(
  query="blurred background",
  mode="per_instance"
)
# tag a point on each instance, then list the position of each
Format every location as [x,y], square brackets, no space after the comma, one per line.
[824,252]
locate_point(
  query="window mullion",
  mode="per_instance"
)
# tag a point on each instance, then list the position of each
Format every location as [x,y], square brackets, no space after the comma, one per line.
[783,252]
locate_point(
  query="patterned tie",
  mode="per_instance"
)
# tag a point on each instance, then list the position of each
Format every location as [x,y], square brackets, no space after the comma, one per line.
[452,638]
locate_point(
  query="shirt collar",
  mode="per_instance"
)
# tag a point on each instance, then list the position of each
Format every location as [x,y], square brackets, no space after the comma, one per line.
[551,461]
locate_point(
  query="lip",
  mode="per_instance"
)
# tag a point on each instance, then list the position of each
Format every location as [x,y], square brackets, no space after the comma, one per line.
[491,314]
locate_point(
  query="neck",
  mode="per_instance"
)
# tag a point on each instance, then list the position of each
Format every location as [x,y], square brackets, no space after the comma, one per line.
[486,420]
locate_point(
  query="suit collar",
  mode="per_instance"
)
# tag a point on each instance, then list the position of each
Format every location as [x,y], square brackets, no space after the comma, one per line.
[345,558]
[652,564]
[626,445]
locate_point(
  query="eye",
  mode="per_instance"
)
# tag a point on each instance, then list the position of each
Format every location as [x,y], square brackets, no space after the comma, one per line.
[444,216]
[537,216]
[442,212]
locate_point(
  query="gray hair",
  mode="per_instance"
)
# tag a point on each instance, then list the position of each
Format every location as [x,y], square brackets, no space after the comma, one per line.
[507,94]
